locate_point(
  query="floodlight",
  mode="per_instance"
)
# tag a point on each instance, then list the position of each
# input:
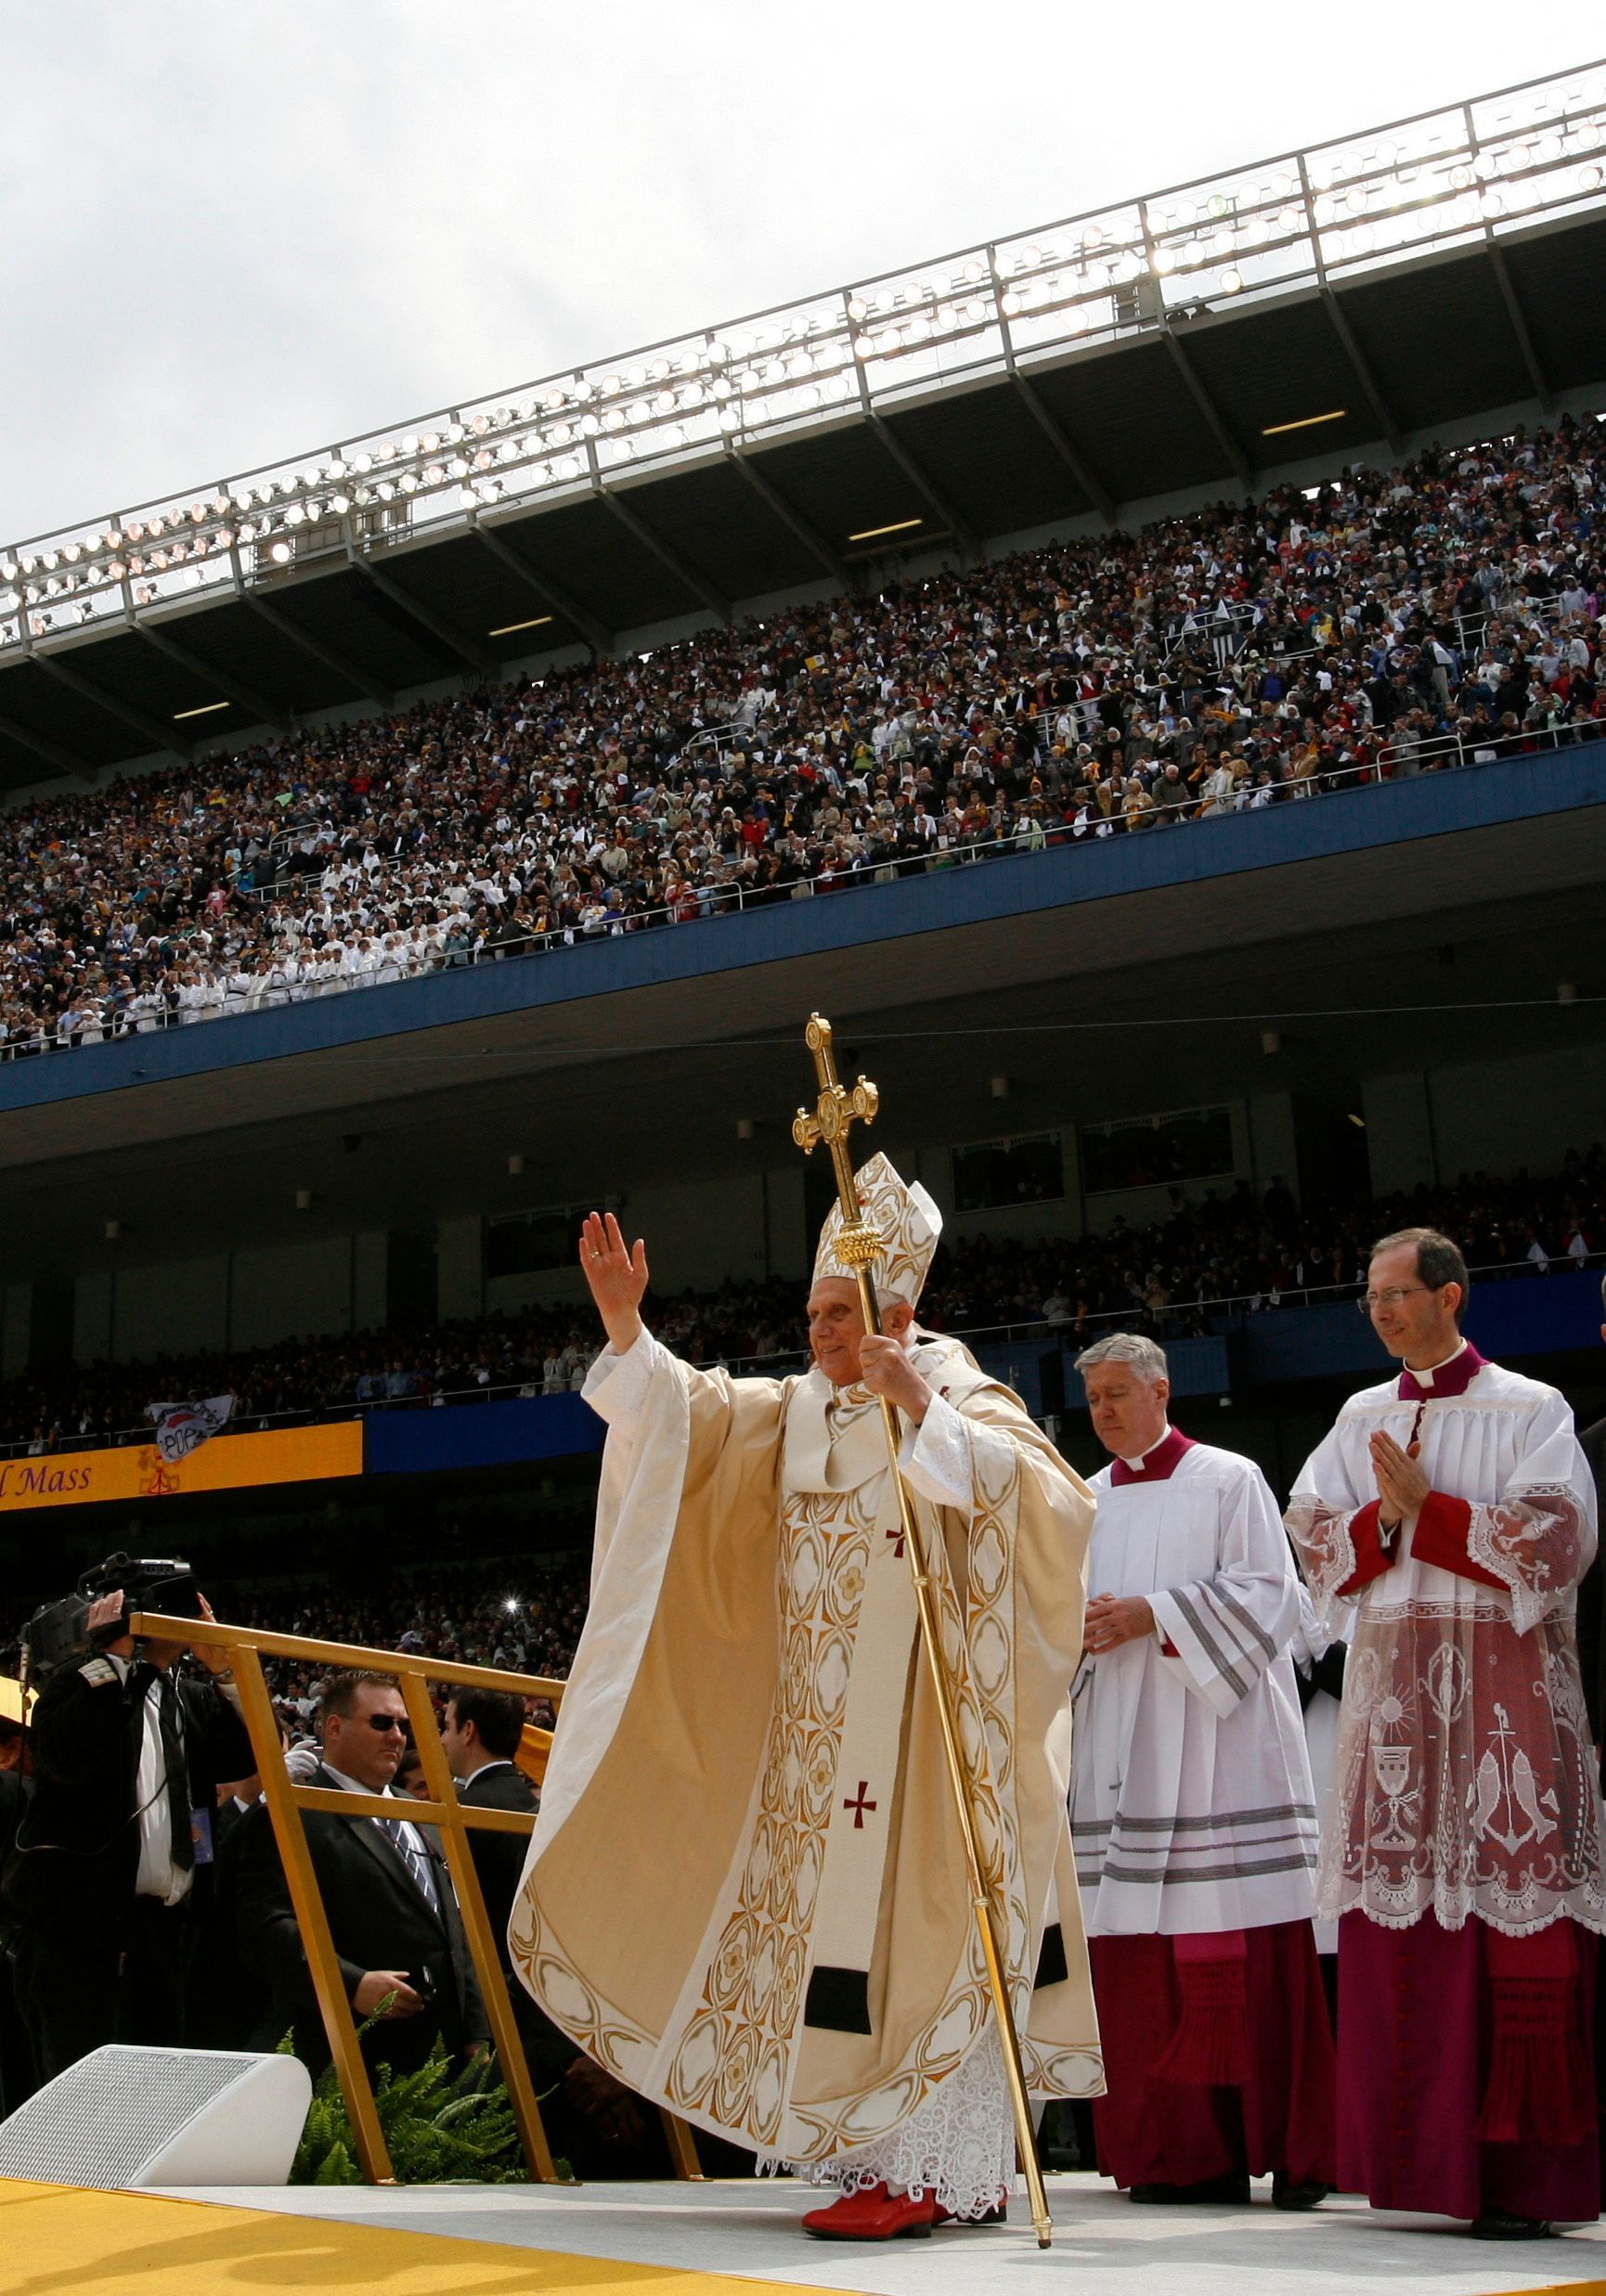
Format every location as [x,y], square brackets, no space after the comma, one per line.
[279,553]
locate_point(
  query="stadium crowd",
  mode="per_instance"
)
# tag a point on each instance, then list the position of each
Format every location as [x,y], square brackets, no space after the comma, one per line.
[1245,655]
[464,1617]
[1167,1278]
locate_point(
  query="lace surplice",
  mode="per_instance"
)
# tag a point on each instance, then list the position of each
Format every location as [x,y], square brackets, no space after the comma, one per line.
[1464,1779]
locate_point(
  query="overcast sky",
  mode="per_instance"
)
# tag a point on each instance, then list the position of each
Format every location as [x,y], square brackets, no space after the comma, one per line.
[231,230]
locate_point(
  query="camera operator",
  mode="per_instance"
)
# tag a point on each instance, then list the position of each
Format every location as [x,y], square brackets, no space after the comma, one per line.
[99,1879]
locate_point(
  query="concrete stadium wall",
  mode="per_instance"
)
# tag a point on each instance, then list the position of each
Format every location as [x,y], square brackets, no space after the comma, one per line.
[319,1287]
[1502,1116]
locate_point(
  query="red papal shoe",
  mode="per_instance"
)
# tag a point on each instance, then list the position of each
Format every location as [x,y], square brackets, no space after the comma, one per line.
[875,2214]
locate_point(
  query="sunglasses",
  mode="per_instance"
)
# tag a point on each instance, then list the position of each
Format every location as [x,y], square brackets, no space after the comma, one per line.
[385,1724]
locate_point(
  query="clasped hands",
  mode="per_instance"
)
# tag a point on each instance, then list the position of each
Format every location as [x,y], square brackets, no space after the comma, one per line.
[1402,1485]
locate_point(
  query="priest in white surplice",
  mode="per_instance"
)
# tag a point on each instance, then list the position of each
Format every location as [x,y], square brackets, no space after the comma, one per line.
[1462,1845]
[746,1894]
[1193,1815]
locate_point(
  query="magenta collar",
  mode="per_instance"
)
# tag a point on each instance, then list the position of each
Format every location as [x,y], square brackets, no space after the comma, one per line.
[1452,1378]
[1157,1465]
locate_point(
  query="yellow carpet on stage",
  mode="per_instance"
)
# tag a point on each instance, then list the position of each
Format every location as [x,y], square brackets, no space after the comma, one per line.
[60,2237]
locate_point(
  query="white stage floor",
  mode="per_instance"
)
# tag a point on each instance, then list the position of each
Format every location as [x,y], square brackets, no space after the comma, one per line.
[1343,2248]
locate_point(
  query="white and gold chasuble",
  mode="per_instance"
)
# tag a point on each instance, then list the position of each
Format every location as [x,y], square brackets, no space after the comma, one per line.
[747,1892]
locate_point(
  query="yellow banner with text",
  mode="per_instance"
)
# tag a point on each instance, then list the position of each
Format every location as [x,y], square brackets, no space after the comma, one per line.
[228,1463]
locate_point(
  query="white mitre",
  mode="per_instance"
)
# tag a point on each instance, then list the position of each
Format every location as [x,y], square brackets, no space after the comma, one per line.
[908,1223]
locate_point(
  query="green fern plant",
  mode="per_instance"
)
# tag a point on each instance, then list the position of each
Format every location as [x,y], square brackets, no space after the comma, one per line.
[440,2126]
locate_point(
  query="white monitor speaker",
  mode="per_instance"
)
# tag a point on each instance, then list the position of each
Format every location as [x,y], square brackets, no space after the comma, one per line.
[122,2119]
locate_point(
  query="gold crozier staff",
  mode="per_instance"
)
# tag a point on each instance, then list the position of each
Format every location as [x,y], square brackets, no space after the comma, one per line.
[859,1247]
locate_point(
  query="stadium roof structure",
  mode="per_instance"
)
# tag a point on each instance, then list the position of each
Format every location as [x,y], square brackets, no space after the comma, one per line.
[1328,303]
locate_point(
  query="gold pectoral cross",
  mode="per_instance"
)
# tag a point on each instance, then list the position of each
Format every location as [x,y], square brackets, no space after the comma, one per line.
[836,1113]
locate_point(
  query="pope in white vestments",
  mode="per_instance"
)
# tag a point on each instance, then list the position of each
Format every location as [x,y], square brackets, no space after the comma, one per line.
[747,1893]
[1193,1815]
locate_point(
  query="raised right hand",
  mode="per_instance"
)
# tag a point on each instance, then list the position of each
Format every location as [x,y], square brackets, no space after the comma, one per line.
[377,1985]
[617,1276]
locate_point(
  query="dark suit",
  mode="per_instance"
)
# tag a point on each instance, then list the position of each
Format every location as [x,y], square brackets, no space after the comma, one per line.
[96,1962]
[226,2006]
[379,1919]
[499,1863]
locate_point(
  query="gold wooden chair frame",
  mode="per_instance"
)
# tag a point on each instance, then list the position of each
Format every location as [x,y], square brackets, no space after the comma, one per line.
[286,1802]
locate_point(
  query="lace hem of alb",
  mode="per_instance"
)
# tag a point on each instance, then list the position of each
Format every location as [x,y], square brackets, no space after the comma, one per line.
[1452,1909]
[958,2145]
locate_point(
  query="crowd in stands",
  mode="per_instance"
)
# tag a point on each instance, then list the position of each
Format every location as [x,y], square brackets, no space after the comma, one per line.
[1169,1277]
[477,1614]
[1117,684]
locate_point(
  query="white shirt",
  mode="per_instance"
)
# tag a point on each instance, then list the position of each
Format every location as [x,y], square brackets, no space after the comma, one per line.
[156,1874]
[405,1825]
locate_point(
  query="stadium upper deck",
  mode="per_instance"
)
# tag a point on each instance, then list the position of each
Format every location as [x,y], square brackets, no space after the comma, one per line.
[1418,279]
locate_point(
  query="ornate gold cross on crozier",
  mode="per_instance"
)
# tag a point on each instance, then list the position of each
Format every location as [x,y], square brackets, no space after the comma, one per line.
[836,1112]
